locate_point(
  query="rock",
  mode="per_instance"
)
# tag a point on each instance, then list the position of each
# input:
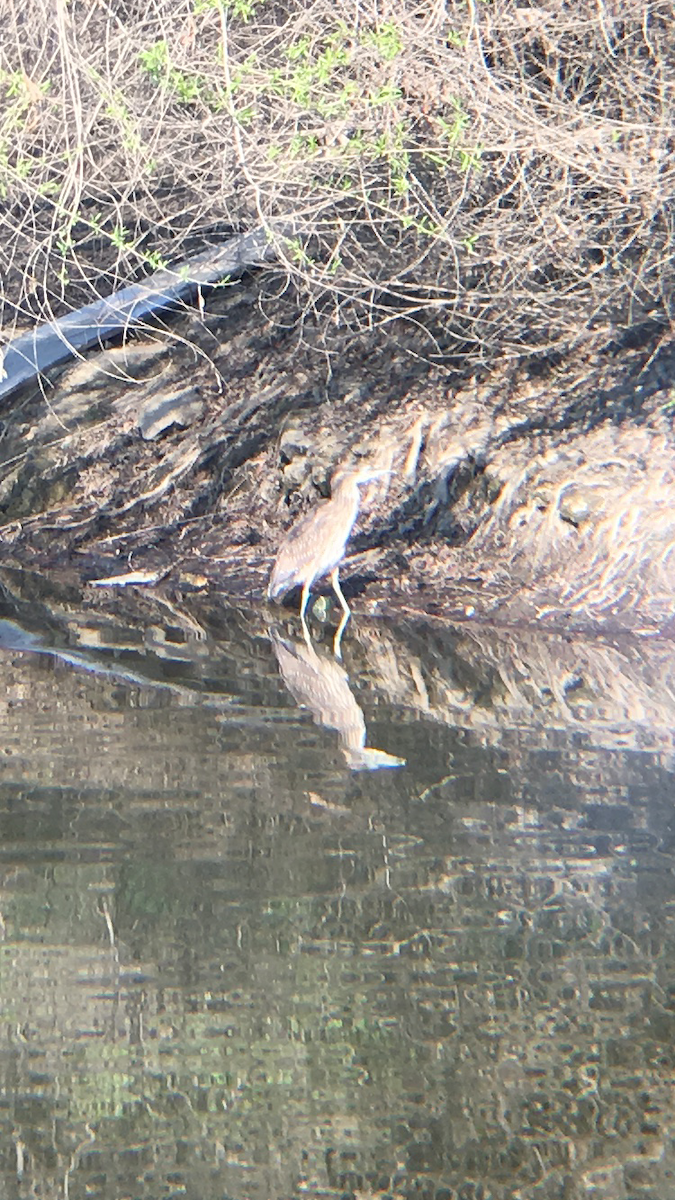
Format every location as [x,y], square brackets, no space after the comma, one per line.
[157,414]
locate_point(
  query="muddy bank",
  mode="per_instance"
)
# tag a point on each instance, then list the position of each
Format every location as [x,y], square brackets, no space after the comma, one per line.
[539,493]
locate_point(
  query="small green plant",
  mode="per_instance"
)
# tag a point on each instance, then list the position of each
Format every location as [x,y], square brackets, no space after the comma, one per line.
[21,94]
[120,238]
[396,153]
[185,87]
[388,93]
[156,61]
[386,40]
[452,135]
[299,51]
[22,88]
[312,80]
[298,253]
[245,115]
[64,241]
[304,146]
[470,158]
[300,86]
[356,146]
[341,104]
[155,260]
[236,80]
[453,130]
[329,60]
[157,64]
[117,110]
[245,10]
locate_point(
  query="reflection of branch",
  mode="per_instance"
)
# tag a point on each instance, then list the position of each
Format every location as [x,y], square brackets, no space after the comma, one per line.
[20,1149]
[103,908]
[75,1158]
[322,686]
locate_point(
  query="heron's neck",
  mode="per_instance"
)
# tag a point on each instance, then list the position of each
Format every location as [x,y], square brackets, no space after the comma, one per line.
[348,493]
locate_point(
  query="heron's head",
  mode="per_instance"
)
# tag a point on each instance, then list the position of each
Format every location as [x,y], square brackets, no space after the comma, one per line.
[356,475]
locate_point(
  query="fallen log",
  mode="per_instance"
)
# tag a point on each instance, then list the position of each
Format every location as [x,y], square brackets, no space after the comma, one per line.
[56,342]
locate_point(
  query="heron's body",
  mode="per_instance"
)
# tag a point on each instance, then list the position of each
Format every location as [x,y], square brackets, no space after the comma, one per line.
[316,544]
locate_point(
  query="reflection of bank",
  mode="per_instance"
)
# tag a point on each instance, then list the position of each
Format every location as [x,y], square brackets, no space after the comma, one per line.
[321,685]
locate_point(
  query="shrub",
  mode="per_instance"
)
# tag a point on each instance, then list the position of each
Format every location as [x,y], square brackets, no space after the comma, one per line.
[501,175]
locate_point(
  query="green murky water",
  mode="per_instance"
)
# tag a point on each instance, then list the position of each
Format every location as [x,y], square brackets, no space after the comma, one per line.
[248,952]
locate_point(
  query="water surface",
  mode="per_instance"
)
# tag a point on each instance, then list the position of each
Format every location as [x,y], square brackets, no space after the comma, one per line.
[249,952]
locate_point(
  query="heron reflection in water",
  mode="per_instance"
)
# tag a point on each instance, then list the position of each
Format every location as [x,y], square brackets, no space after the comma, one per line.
[320,685]
[316,544]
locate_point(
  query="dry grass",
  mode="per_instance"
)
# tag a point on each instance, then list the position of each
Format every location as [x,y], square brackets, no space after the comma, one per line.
[500,174]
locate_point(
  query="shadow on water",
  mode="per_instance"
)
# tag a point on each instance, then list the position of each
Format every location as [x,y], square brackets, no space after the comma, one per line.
[238,961]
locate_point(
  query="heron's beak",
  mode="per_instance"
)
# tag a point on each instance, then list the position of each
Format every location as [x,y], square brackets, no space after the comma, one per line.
[370,473]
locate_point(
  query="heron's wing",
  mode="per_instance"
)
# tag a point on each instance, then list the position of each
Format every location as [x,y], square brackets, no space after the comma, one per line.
[312,547]
[290,566]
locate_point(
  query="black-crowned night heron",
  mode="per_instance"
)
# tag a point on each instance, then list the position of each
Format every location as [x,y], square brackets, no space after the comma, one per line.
[315,545]
[320,685]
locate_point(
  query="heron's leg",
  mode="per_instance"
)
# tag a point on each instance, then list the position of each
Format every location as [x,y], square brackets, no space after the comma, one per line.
[346,613]
[335,581]
[338,635]
[304,601]
[303,605]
